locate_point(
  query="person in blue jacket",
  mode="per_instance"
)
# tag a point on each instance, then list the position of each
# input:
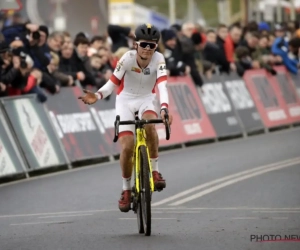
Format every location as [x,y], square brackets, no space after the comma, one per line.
[289,52]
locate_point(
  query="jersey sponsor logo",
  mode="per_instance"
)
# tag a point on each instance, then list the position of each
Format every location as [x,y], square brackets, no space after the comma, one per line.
[119,65]
[146,71]
[137,70]
[162,67]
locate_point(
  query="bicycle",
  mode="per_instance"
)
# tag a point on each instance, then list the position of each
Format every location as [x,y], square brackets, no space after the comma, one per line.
[143,186]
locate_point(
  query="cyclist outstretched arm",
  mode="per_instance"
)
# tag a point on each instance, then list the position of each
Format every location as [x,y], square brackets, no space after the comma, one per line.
[114,80]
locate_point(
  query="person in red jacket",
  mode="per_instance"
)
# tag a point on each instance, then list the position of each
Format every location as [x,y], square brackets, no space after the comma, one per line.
[231,42]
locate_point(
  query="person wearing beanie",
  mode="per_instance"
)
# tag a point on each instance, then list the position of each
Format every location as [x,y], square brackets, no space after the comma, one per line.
[44,33]
[173,54]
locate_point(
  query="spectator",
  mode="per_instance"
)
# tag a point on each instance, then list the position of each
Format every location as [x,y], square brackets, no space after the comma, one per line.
[66,66]
[188,51]
[251,41]
[80,58]
[172,53]
[231,42]
[222,33]
[120,36]
[96,43]
[50,82]
[288,51]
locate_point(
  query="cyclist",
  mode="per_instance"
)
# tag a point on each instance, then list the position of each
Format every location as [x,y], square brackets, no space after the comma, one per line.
[137,73]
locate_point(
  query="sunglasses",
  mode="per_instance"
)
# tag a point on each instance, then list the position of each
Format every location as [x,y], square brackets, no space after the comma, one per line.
[144,45]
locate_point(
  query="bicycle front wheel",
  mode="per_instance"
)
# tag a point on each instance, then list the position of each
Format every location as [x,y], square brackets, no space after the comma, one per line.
[145,190]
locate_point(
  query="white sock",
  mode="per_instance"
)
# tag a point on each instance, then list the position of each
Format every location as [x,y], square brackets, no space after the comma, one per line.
[154,164]
[126,183]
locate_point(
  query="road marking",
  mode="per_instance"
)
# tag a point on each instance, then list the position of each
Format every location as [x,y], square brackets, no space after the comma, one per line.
[151,218]
[70,215]
[227,208]
[223,179]
[57,213]
[233,181]
[176,212]
[245,218]
[275,211]
[258,218]
[36,223]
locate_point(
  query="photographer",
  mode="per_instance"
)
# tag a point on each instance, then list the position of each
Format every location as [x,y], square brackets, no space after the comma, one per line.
[19,76]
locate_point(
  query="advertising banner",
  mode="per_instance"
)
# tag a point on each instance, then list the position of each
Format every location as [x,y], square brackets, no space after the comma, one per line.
[10,161]
[268,102]
[185,103]
[76,126]
[104,114]
[288,91]
[219,109]
[296,82]
[235,88]
[34,132]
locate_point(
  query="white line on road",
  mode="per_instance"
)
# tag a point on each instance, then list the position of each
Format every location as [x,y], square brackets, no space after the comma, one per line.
[35,223]
[228,208]
[151,218]
[233,181]
[276,212]
[176,212]
[258,218]
[57,213]
[70,215]
[245,218]
[220,180]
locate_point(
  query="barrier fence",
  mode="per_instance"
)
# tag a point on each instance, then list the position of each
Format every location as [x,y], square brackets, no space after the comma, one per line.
[65,132]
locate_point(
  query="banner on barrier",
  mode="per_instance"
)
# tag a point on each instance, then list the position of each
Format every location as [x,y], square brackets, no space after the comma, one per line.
[190,121]
[10,162]
[104,114]
[268,101]
[296,82]
[242,102]
[34,132]
[76,126]
[219,108]
[289,93]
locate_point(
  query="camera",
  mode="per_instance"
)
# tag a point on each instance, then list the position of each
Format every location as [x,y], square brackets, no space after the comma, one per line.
[36,35]
[23,63]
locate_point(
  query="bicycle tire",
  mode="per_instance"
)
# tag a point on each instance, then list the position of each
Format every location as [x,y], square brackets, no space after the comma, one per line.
[139,213]
[146,191]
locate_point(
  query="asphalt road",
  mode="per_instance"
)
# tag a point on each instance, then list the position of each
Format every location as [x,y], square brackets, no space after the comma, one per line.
[232,190]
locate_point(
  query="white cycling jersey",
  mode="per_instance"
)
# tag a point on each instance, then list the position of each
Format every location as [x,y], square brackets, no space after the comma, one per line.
[132,80]
[136,92]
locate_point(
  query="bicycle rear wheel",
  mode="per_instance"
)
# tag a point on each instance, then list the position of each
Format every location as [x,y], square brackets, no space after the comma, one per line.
[145,190]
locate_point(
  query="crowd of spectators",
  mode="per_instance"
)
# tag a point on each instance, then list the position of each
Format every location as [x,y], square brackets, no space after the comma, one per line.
[33,60]
[191,48]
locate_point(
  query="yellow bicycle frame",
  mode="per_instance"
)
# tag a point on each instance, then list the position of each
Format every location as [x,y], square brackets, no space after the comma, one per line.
[141,141]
